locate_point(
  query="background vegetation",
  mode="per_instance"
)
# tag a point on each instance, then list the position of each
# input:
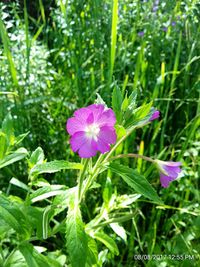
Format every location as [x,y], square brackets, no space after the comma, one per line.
[54,57]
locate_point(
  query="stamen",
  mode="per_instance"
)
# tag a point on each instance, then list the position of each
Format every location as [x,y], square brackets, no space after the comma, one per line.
[92,131]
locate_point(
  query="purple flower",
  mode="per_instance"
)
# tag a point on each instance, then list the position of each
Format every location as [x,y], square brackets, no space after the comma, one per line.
[155,8]
[155,115]
[92,130]
[165,29]
[173,23]
[169,171]
[141,34]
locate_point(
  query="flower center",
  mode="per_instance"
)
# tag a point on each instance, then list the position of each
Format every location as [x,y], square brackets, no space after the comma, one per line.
[92,131]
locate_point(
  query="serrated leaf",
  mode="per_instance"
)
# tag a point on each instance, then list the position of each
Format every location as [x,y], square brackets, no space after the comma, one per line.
[125,103]
[34,258]
[15,259]
[139,116]
[92,257]
[77,241]
[46,192]
[55,166]
[15,156]
[117,102]
[131,105]
[14,217]
[135,181]
[62,201]
[107,241]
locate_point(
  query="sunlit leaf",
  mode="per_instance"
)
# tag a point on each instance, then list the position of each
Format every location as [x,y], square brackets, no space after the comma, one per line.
[135,180]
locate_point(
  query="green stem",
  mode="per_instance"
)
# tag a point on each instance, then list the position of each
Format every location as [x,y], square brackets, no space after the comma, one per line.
[132,155]
[116,145]
[81,178]
[101,160]
[92,176]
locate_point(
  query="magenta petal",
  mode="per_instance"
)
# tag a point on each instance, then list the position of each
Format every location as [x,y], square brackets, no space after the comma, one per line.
[107,134]
[171,163]
[172,171]
[165,180]
[74,125]
[97,110]
[82,114]
[107,118]
[88,149]
[155,115]
[77,140]
[103,147]
[92,129]
[90,118]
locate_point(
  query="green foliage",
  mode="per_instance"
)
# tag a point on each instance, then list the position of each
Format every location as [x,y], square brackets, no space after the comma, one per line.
[135,181]
[56,57]
[8,142]
[14,217]
[77,241]
[54,166]
[107,241]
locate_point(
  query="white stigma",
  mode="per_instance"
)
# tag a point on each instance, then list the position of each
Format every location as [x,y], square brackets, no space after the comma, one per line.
[92,131]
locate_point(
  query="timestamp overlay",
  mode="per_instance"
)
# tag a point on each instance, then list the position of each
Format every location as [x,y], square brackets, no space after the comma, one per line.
[160,257]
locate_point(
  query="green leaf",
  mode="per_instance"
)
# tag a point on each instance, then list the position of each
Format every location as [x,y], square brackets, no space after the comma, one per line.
[139,116]
[20,138]
[35,216]
[15,259]
[131,105]
[15,156]
[3,144]
[107,241]
[37,157]
[121,131]
[99,100]
[117,102]
[7,127]
[107,192]
[125,103]
[135,181]
[77,241]
[46,192]
[45,221]
[11,213]
[55,166]
[18,183]
[34,258]
[119,230]
[92,257]
[27,251]
[62,201]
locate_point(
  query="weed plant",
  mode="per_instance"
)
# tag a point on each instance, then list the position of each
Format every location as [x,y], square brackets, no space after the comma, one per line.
[56,59]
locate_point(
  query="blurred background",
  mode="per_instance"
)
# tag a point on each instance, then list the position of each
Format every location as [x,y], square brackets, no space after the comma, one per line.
[55,56]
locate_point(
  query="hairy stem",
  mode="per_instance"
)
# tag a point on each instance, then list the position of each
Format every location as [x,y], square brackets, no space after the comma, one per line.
[132,155]
[81,178]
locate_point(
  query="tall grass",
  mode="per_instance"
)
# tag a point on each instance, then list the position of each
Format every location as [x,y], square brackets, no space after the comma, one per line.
[50,65]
